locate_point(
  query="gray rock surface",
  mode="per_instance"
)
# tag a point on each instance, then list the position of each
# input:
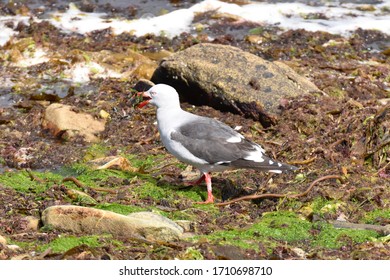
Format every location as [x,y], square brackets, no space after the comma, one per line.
[87,220]
[230,79]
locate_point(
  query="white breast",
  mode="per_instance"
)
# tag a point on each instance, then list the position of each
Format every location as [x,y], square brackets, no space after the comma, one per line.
[168,121]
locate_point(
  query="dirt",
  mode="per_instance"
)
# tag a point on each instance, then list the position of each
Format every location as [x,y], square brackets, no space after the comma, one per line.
[342,131]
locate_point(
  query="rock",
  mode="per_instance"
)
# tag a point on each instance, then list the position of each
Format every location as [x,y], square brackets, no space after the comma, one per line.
[152,223]
[14,247]
[86,220]
[81,197]
[32,223]
[230,79]
[63,122]
[127,64]
[299,252]
[112,162]
[187,226]
[104,114]
[386,230]
[143,85]
[123,65]
[3,241]
[228,252]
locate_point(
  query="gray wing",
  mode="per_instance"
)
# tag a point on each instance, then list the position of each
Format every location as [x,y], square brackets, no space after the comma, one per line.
[217,143]
[213,141]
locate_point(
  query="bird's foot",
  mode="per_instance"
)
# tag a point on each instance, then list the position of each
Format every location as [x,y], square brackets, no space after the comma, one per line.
[209,200]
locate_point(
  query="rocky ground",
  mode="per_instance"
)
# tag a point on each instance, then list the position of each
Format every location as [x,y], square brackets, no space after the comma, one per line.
[342,130]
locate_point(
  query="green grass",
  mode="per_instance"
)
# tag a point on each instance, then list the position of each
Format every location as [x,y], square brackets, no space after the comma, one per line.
[331,237]
[95,151]
[378,214]
[287,227]
[63,244]
[143,162]
[120,208]
[21,181]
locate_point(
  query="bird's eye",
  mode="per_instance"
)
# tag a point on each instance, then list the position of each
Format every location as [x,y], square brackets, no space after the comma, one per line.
[152,93]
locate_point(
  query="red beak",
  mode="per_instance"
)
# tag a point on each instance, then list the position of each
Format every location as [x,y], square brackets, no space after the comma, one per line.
[146,99]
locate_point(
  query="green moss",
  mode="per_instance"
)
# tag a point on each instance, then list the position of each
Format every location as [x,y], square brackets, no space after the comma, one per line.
[195,193]
[378,214]
[23,244]
[72,170]
[99,177]
[256,31]
[331,237]
[21,181]
[63,244]
[284,226]
[318,204]
[336,92]
[144,163]
[277,226]
[281,227]
[150,190]
[92,177]
[180,215]
[192,254]
[96,151]
[120,208]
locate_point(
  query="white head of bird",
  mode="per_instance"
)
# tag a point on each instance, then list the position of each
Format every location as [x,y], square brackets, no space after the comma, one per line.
[161,96]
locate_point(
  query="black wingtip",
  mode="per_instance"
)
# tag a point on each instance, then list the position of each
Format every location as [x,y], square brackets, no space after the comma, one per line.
[278,167]
[292,167]
[287,167]
[267,164]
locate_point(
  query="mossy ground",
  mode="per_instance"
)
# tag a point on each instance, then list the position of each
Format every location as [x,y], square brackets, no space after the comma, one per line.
[340,130]
[286,227]
[289,225]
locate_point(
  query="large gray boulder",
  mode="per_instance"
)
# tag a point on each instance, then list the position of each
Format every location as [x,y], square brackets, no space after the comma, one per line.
[230,79]
[85,220]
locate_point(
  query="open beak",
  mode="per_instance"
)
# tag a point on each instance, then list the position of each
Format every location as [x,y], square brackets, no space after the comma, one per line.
[145,97]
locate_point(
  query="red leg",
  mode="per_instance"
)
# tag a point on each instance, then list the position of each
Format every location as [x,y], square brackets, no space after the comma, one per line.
[210,197]
[196,182]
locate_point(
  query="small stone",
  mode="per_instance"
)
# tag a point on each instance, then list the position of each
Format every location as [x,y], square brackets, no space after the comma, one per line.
[254,39]
[112,162]
[228,252]
[3,241]
[13,247]
[386,230]
[104,114]
[187,226]
[63,122]
[32,223]
[299,252]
